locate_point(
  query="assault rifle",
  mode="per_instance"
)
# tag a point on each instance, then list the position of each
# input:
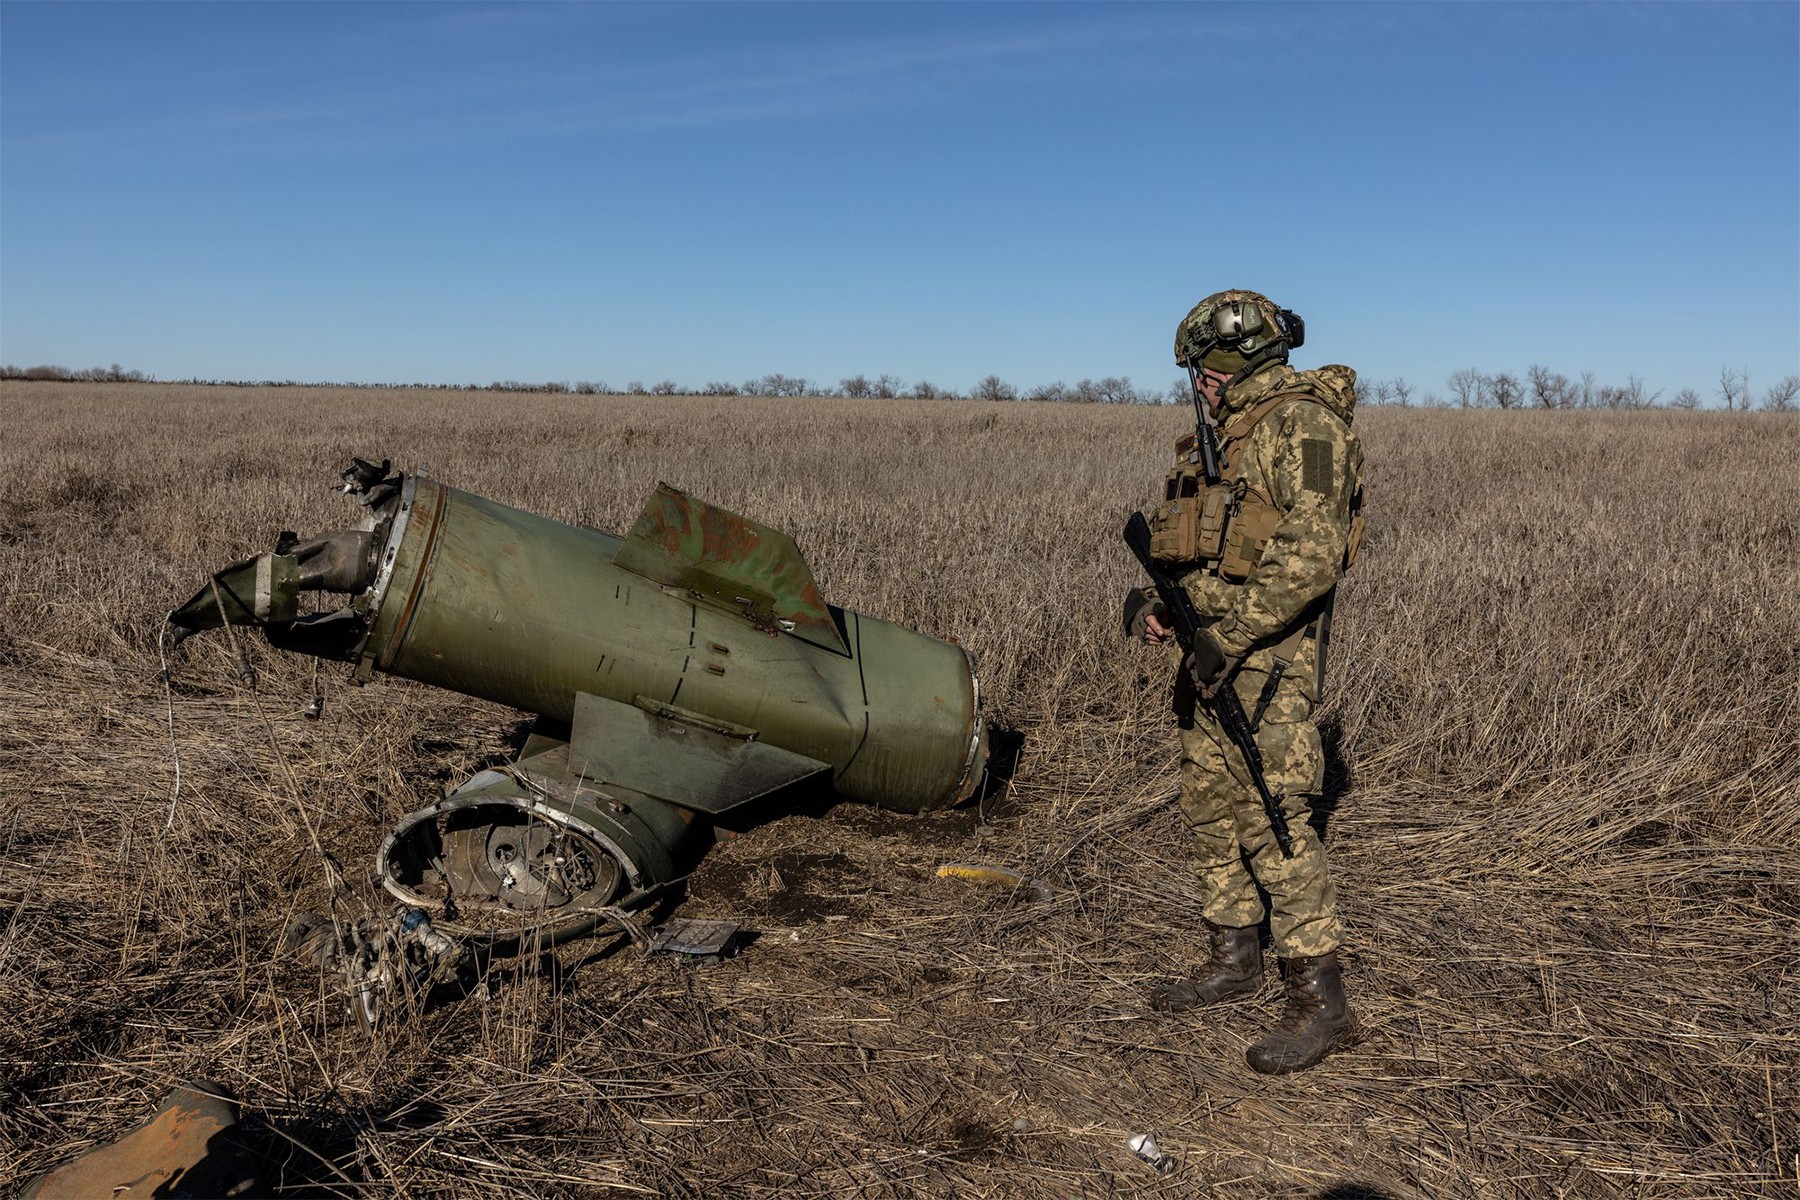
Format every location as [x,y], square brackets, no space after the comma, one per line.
[1226,707]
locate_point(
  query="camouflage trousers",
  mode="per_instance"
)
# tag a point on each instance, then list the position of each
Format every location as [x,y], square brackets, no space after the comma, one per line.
[1236,846]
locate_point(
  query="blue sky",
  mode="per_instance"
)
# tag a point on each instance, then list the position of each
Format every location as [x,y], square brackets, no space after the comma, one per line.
[471,192]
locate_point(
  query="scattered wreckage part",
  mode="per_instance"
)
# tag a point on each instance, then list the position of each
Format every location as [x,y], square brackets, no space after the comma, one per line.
[518,856]
[709,622]
[317,937]
[391,963]
[694,937]
[395,961]
[1144,1146]
[386,962]
[188,1147]
[999,875]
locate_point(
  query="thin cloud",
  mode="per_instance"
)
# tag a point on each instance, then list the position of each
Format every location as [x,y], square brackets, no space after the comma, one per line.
[512,91]
[858,74]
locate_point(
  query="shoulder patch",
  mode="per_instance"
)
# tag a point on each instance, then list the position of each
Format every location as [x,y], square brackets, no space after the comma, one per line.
[1316,473]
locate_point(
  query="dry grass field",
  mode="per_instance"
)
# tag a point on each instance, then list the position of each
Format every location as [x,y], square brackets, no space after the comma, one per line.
[1564,818]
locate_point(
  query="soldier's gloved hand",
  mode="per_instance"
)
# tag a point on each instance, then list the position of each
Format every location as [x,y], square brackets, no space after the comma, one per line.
[1210,666]
[1145,617]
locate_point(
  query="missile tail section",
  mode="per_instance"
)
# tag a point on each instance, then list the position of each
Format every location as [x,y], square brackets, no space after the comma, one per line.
[678,673]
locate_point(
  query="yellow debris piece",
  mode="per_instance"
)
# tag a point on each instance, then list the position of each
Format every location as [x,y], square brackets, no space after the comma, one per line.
[999,875]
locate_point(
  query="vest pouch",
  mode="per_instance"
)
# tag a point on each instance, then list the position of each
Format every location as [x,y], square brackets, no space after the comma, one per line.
[1250,529]
[1359,528]
[1215,516]
[1191,529]
[1175,523]
[1174,530]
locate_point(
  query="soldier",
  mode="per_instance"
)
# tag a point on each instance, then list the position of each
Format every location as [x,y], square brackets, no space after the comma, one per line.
[1260,548]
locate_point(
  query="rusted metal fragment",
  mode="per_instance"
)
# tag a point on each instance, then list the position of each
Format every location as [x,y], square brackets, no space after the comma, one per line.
[186,1148]
[999,875]
[735,563]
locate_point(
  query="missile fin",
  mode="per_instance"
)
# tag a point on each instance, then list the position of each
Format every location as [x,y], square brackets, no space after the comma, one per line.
[730,562]
[684,758]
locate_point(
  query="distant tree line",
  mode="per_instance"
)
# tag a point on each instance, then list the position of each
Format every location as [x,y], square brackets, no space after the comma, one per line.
[1538,387]
[112,374]
[1111,390]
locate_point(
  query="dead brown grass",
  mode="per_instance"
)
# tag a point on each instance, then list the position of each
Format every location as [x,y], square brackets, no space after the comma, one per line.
[1564,822]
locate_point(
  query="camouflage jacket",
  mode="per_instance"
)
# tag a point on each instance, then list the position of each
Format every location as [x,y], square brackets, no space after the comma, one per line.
[1303,458]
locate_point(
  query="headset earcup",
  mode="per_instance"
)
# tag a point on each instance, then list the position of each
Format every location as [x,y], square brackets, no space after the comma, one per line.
[1296,328]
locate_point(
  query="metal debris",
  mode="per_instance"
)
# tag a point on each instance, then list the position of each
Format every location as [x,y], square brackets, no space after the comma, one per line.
[1000,875]
[694,937]
[1144,1146]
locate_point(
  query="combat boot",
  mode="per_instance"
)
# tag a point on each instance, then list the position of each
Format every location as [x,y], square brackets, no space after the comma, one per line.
[1234,969]
[1317,1020]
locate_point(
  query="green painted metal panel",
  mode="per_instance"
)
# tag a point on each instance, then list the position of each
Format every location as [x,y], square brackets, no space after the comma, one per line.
[678,756]
[924,737]
[264,590]
[495,602]
[740,565]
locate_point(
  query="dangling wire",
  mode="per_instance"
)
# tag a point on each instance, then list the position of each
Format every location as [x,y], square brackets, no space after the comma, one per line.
[162,653]
[333,873]
[245,671]
[315,707]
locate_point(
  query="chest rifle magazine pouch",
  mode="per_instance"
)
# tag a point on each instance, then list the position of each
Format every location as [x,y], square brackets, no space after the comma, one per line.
[1249,530]
[1174,524]
[1190,526]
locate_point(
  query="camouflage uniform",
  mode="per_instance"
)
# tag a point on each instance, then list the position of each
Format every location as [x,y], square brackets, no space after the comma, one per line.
[1304,459]
[1258,535]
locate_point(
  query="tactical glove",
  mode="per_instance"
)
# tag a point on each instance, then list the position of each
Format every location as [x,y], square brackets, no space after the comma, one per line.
[1210,666]
[1139,606]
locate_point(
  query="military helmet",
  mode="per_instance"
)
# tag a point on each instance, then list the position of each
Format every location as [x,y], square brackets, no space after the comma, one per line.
[1234,330]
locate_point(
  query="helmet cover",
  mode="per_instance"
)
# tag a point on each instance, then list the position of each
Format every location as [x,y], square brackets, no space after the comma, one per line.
[1228,330]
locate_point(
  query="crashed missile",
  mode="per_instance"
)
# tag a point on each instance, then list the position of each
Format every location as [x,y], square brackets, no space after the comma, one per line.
[678,673]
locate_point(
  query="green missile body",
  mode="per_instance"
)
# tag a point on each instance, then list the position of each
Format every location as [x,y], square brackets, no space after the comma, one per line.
[678,673]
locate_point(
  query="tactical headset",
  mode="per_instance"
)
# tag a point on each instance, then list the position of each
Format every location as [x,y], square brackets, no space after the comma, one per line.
[1236,324]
